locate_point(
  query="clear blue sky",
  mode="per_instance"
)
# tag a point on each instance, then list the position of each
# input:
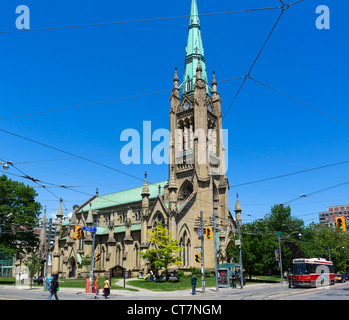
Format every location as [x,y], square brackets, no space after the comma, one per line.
[50,69]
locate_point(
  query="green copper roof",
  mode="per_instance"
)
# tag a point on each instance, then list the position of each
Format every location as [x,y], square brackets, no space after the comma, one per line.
[194,51]
[124,197]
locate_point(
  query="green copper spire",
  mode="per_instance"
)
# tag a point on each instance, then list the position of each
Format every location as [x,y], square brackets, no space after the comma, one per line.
[194,52]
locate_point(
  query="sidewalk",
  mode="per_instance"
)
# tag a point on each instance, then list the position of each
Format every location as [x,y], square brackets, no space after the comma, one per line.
[143,293]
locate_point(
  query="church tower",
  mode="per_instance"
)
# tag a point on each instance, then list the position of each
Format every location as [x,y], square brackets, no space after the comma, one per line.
[197,163]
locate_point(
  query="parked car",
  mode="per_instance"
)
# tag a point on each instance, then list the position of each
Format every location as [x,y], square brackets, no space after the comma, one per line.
[339,277]
[346,274]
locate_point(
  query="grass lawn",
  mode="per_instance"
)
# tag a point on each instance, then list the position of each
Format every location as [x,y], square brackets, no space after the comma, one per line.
[185,283]
[265,279]
[7,281]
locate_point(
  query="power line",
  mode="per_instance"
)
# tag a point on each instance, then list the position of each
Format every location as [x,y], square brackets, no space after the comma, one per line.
[71,154]
[247,76]
[318,191]
[85,104]
[290,174]
[136,21]
[303,103]
[97,103]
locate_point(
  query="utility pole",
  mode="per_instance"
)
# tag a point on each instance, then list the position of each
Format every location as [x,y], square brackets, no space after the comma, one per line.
[48,253]
[202,253]
[93,251]
[240,258]
[280,262]
[215,250]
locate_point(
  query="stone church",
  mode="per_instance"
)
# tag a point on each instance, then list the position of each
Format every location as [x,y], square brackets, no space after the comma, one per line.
[196,182]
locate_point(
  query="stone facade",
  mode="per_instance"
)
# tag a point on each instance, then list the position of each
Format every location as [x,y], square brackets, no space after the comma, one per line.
[196,182]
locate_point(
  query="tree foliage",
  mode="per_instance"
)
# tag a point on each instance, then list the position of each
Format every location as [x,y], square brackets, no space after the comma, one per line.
[259,242]
[164,250]
[34,264]
[18,215]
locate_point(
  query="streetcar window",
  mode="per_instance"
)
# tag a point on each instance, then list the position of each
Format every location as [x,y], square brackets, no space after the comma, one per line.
[301,268]
[308,268]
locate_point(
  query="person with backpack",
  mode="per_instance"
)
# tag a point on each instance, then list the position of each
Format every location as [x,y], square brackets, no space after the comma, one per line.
[54,287]
[193,284]
[233,278]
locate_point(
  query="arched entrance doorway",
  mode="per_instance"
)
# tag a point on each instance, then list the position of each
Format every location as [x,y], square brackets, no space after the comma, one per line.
[72,268]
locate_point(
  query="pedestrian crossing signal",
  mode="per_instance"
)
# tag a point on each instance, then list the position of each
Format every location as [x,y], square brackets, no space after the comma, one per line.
[197,258]
[97,256]
[209,233]
[78,232]
[340,223]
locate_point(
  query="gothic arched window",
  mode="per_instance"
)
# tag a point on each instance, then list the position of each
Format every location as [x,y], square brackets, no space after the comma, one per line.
[185,191]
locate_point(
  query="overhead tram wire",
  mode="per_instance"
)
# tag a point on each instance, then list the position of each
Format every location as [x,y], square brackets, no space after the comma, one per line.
[138,20]
[248,75]
[36,182]
[315,192]
[301,102]
[100,102]
[71,154]
[291,174]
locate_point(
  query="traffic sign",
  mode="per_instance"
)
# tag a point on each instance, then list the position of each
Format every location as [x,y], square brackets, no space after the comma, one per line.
[89,229]
[200,231]
[347,217]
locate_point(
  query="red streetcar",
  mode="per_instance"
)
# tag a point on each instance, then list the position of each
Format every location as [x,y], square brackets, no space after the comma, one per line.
[315,272]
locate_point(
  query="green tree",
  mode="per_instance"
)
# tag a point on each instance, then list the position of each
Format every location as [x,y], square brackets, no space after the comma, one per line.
[18,215]
[259,242]
[320,238]
[165,250]
[34,264]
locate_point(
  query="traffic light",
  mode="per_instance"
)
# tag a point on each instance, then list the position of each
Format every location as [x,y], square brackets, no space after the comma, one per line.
[97,256]
[340,223]
[197,258]
[209,233]
[78,232]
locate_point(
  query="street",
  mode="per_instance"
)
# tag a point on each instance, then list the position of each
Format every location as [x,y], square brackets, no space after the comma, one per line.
[340,291]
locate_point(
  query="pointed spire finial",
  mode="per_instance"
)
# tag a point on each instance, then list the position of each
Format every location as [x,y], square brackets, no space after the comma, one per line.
[145,190]
[214,82]
[172,183]
[60,211]
[175,79]
[238,209]
[199,71]
[237,206]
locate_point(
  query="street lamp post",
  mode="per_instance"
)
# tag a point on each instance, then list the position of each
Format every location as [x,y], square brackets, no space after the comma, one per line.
[280,256]
[280,261]
[93,251]
[329,252]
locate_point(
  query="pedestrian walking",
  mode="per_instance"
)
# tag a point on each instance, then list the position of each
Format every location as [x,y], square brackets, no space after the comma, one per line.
[193,284]
[53,287]
[97,287]
[233,278]
[106,288]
